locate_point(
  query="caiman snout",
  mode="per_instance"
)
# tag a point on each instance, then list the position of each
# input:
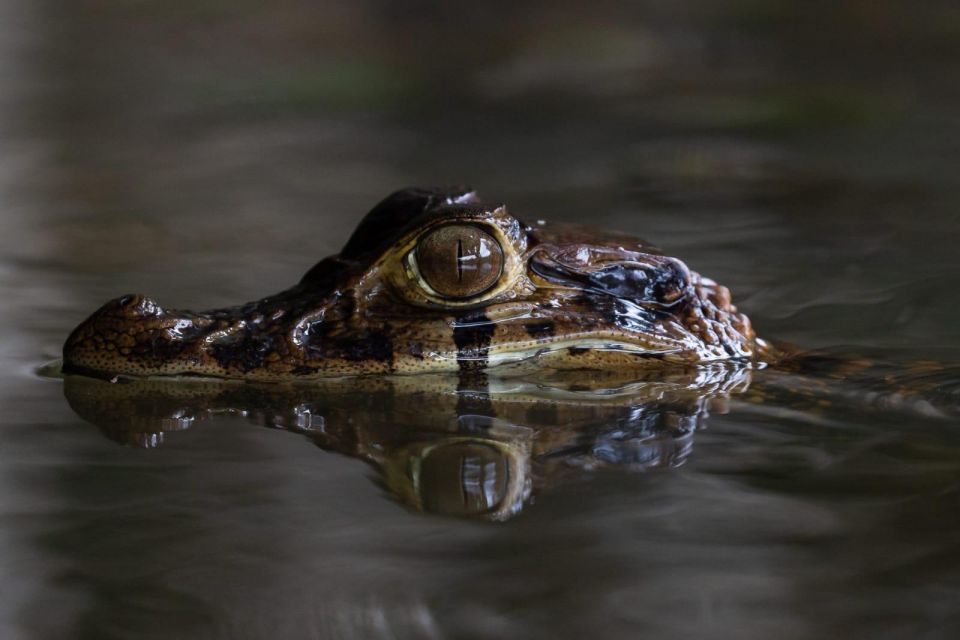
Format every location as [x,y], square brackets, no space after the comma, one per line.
[134,329]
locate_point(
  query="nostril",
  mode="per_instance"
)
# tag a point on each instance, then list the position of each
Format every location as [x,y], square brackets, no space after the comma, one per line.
[132,305]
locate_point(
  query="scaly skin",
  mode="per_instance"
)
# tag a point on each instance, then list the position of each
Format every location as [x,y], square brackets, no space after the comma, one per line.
[567,298]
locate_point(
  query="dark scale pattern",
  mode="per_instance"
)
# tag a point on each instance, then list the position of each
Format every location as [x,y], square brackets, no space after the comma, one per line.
[545,329]
[247,353]
[473,397]
[472,333]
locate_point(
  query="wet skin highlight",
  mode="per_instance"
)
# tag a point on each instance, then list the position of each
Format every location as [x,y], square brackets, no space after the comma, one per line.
[435,280]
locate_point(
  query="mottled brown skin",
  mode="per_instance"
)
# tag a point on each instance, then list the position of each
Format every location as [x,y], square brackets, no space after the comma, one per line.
[567,297]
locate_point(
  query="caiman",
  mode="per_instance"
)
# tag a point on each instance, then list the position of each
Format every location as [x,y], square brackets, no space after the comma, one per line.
[435,280]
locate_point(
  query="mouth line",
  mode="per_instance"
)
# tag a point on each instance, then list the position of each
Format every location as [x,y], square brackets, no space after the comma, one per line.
[509,354]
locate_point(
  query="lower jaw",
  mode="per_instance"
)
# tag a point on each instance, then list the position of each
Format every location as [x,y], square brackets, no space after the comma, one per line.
[591,354]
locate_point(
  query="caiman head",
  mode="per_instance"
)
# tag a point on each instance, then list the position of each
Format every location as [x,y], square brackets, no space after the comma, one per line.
[435,280]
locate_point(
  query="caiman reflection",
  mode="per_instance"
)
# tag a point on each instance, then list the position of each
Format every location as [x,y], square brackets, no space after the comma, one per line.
[439,444]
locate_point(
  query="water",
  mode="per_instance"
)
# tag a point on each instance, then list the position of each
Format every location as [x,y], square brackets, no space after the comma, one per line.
[803,154]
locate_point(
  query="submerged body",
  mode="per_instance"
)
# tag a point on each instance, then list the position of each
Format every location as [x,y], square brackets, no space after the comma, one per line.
[433,280]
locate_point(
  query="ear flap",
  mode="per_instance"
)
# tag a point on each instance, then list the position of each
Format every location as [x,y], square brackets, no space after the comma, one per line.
[394,212]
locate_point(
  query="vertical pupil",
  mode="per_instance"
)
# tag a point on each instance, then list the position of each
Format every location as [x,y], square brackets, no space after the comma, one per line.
[460,259]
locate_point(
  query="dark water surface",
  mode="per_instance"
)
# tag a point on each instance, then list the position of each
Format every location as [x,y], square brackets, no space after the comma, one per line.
[803,154]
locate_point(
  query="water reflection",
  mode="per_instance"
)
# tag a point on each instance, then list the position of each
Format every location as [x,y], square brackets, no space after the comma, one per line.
[443,444]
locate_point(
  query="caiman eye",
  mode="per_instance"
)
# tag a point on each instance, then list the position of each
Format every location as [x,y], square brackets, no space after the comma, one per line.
[459,261]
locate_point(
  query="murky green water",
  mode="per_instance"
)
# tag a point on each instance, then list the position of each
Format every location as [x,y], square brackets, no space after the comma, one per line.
[803,154]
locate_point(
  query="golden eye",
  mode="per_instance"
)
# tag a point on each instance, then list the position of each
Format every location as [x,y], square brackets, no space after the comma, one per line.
[458,261]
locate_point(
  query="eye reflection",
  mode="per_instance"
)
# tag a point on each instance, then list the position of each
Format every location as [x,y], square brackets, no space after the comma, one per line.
[464,479]
[459,261]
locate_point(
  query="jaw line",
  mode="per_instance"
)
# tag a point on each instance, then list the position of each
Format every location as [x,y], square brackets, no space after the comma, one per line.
[507,355]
